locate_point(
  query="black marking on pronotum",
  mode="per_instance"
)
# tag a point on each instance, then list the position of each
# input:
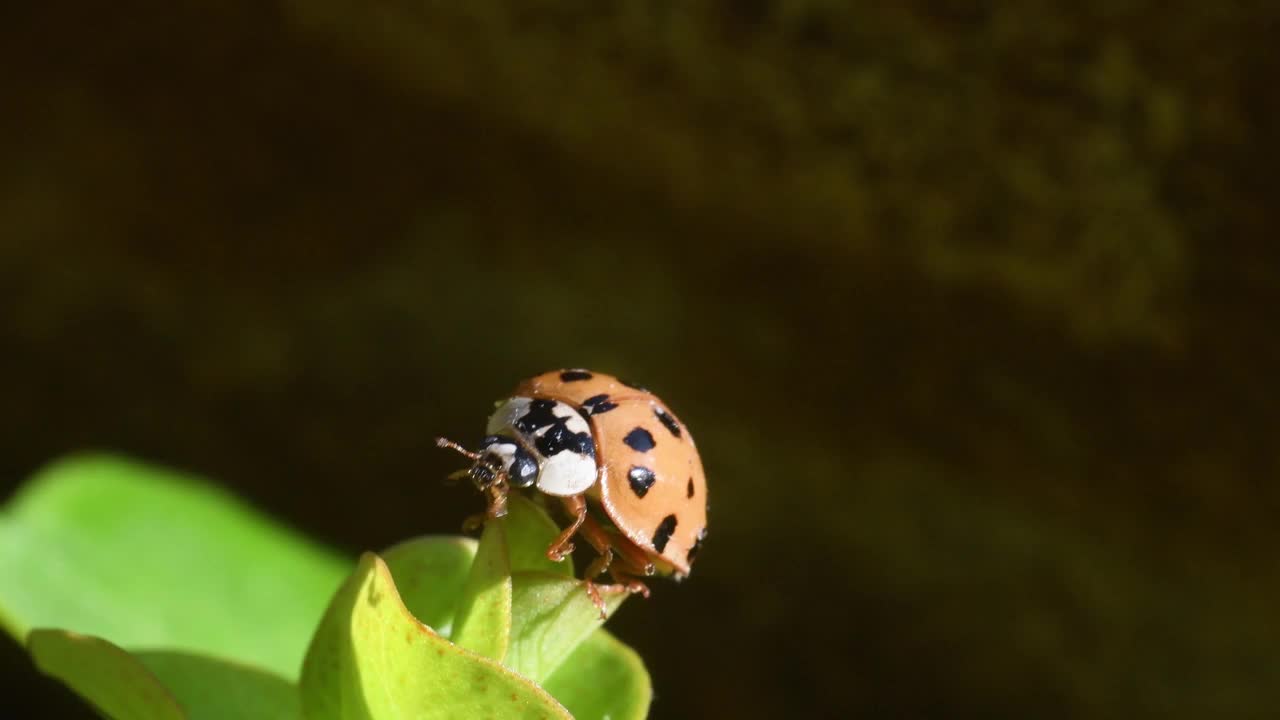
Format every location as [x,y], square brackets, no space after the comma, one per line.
[574,375]
[559,439]
[539,415]
[663,534]
[669,422]
[639,439]
[491,440]
[598,404]
[524,468]
[689,490]
[641,479]
[697,544]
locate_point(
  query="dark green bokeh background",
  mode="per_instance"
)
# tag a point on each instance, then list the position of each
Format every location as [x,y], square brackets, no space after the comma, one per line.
[970,308]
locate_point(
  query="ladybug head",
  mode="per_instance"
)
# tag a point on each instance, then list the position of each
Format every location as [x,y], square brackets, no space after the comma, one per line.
[486,468]
[501,460]
[484,472]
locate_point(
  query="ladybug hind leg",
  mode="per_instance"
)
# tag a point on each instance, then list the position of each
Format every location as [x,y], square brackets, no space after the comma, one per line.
[622,566]
[632,559]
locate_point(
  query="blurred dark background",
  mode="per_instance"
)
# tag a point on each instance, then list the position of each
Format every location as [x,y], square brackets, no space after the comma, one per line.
[969,305]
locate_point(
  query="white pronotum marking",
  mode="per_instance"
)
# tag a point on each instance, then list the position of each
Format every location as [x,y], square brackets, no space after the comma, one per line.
[504,450]
[503,420]
[567,474]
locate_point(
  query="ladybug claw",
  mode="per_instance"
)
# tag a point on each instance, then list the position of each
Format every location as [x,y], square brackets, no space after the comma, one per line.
[558,554]
[593,592]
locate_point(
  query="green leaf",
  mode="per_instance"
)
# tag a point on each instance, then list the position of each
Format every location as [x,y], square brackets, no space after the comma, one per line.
[211,689]
[484,611]
[430,573]
[516,541]
[602,679]
[551,615]
[150,557]
[530,532]
[114,681]
[372,660]
[551,611]
[161,685]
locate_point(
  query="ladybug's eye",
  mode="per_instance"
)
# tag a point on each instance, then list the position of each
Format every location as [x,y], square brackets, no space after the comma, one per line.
[524,469]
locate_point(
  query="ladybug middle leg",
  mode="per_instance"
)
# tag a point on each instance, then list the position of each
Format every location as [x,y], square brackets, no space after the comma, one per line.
[560,548]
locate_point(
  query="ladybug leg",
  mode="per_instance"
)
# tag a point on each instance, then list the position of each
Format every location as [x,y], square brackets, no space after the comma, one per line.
[629,558]
[635,560]
[626,571]
[560,548]
[621,566]
[627,581]
[596,567]
[626,584]
[600,564]
[457,476]
[497,493]
[472,523]
[497,499]
[599,540]
[497,490]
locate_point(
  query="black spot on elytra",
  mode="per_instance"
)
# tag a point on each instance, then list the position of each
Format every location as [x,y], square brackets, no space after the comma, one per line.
[689,490]
[639,439]
[597,404]
[669,422]
[574,375]
[663,534]
[641,479]
[697,545]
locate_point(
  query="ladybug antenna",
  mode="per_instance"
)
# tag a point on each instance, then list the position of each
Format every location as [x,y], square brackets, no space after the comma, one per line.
[442,442]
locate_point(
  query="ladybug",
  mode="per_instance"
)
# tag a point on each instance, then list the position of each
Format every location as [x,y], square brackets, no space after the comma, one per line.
[622,464]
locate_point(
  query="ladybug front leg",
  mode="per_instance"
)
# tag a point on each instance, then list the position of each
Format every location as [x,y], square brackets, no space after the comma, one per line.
[497,506]
[559,549]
